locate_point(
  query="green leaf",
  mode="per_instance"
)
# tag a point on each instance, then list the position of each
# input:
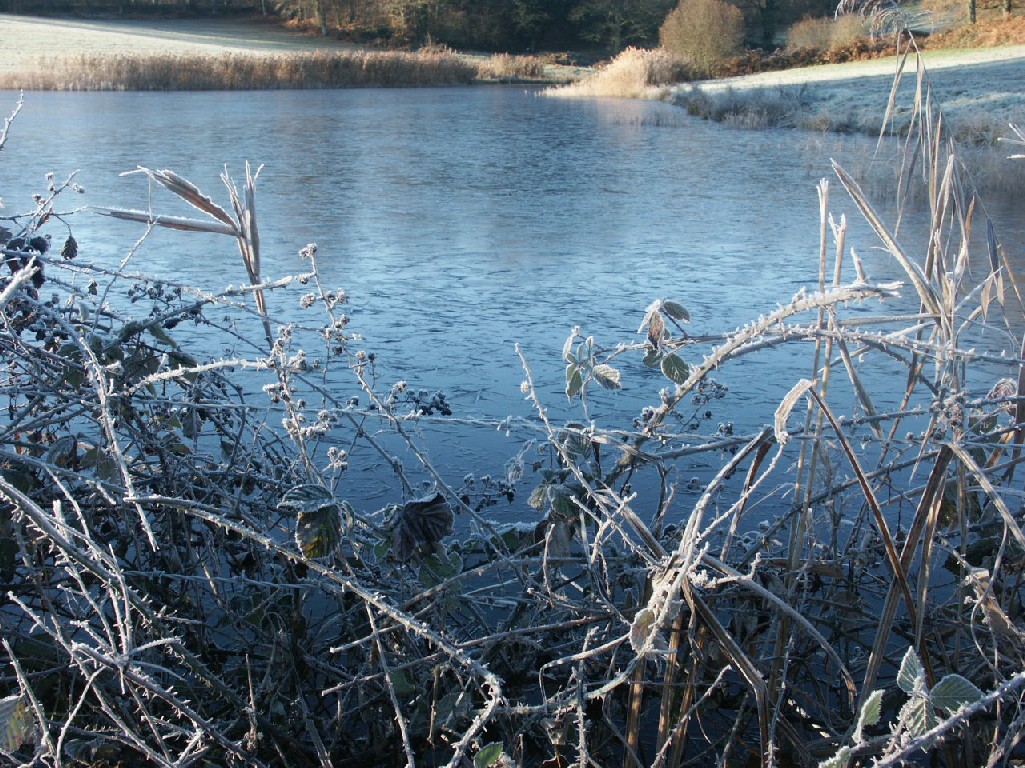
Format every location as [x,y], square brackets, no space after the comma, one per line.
[489,755]
[403,683]
[952,692]
[318,534]
[439,567]
[675,369]
[607,376]
[318,528]
[910,673]
[917,715]
[839,760]
[17,725]
[870,713]
[676,311]
[574,380]
[651,358]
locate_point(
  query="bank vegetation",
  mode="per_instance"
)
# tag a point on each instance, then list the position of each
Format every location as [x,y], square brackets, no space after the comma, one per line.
[185,581]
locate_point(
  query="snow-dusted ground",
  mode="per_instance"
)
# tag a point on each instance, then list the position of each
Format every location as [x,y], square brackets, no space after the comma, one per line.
[983,85]
[24,39]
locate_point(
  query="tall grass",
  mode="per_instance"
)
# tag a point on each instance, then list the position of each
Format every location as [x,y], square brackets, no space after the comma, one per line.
[238,71]
[186,583]
[635,73]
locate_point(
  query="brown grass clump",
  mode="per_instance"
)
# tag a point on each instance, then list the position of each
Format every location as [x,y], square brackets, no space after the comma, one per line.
[991,30]
[503,67]
[827,34]
[636,73]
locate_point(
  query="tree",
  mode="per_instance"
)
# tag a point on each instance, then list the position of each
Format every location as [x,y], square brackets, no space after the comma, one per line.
[616,24]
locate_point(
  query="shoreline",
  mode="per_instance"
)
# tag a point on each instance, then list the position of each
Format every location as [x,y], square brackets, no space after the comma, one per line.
[978,91]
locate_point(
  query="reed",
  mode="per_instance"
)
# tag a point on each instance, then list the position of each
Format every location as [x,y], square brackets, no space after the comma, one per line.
[635,74]
[185,581]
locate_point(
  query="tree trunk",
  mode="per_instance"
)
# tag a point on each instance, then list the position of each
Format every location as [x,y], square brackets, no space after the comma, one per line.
[971,12]
[1007,7]
[322,16]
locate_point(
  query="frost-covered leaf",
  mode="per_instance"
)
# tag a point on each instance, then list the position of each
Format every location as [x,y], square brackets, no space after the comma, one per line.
[420,523]
[952,692]
[870,712]
[839,760]
[306,498]
[16,722]
[98,751]
[641,630]
[62,451]
[439,567]
[917,715]
[676,311]
[607,376]
[488,756]
[652,358]
[318,532]
[910,673]
[567,348]
[574,380]
[675,369]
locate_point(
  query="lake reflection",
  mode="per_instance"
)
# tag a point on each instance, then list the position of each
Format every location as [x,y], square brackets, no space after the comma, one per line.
[461,221]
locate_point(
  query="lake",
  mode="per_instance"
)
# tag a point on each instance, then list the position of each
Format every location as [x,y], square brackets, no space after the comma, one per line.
[462,221]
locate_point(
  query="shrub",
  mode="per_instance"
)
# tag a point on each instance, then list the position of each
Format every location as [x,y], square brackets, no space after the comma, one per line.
[828,33]
[707,32]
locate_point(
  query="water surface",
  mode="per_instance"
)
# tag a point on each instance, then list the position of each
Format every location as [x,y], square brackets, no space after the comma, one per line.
[462,221]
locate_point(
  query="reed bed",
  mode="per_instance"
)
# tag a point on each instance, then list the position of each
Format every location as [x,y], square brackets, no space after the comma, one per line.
[636,73]
[237,71]
[185,582]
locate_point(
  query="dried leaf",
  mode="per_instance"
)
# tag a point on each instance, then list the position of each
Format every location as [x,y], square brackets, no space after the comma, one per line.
[16,722]
[784,409]
[170,222]
[420,524]
[656,329]
[70,248]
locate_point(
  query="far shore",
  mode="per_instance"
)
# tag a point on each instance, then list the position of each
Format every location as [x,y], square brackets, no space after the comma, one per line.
[977,89]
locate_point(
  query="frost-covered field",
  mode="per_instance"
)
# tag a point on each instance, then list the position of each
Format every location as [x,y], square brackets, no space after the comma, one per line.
[984,82]
[24,39]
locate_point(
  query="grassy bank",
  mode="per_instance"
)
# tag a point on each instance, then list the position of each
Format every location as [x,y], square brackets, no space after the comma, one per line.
[185,581]
[240,71]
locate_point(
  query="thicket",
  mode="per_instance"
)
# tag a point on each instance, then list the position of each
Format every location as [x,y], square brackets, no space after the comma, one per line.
[828,33]
[185,582]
